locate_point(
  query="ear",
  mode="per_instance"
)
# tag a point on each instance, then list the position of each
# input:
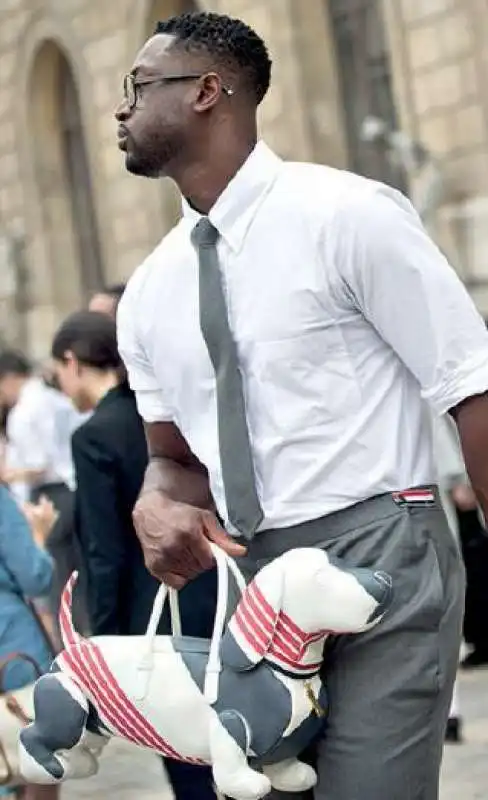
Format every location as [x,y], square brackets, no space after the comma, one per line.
[209,92]
[252,627]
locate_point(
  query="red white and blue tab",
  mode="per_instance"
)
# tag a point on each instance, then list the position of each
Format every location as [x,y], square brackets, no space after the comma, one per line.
[414,497]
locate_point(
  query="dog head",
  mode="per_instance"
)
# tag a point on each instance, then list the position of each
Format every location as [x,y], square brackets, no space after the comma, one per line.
[300,598]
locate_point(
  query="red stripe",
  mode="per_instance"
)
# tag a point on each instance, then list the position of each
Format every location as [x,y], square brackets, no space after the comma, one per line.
[115,706]
[250,622]
[285,633]
[253,602]
[252,616]
[248,636]
[262,602]
[126,714]
[88,686]
[69,635]
[137,718]
[293,626]
[284,621]
[115,694]
[278,633]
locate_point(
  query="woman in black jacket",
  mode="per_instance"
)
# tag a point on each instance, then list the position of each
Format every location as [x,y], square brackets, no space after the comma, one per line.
[110,457]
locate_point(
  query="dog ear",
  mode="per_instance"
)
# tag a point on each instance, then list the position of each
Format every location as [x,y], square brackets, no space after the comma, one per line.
[252,627]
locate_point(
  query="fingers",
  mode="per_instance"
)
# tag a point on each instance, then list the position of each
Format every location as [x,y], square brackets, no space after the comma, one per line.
[219,536]
[173,580]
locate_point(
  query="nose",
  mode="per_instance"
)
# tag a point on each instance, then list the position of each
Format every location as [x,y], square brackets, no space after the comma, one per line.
[122,111]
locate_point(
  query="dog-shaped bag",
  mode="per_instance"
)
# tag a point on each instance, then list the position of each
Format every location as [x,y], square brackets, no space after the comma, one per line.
[247,702]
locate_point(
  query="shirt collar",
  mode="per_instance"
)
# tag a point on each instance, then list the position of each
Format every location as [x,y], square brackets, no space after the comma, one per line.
[234,210]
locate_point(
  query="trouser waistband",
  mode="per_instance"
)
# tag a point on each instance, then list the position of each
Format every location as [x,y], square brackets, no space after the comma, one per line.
[273,542]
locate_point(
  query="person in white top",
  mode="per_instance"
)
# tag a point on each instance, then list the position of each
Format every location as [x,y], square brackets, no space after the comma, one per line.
[347,323]
[38,460]
[39,426]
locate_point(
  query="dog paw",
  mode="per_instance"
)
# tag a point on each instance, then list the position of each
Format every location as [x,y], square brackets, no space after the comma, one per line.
[78,763]
[253,786]
[291,776]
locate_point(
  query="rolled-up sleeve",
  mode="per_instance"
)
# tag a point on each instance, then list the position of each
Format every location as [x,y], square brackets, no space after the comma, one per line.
[406,289]
[150,399]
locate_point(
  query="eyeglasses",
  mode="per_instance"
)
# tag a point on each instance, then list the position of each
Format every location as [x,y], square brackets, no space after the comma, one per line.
[132,84]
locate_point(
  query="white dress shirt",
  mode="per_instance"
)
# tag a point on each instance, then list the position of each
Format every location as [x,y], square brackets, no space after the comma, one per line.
[39,430]
[348,321]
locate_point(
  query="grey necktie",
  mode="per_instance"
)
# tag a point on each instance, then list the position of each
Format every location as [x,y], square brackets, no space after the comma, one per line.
[243,506]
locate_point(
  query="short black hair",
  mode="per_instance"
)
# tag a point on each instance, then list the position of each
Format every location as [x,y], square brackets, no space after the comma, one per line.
[228,41]
[13,362]
[92,337]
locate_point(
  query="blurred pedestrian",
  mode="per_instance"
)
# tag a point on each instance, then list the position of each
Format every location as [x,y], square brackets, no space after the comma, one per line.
[26,572]
[107,300]
[110,456]
[39,463]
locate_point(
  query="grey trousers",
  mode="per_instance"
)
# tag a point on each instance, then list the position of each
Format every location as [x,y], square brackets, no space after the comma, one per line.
[390,688]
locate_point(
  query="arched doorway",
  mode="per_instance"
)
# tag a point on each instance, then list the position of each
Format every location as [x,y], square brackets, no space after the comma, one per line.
[62,174]
[170,196]
[365,81]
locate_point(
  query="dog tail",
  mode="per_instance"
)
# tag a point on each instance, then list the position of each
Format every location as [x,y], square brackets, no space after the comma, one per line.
[68,634]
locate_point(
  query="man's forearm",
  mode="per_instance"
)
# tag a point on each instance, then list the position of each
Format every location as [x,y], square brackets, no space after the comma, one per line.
[472,421]
[184,484]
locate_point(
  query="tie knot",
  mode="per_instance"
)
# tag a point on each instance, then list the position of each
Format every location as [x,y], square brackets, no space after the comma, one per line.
[204,233]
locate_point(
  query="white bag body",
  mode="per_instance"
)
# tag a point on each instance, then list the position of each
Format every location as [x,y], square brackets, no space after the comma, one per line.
[252,693]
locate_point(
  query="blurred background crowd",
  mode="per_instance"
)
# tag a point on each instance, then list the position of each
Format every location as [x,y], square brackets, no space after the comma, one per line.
[393,89]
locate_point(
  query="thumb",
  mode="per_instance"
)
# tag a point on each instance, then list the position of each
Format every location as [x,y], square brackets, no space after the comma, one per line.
[216,534]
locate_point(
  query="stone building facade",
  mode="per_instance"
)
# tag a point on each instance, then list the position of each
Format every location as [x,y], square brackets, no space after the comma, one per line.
[72,219]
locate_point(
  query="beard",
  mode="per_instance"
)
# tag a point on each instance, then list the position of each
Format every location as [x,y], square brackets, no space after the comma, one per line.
[151,158]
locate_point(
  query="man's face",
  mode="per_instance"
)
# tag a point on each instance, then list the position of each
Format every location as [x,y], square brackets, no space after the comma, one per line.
[70,376]
[10,386]
[153,132]
[104,304]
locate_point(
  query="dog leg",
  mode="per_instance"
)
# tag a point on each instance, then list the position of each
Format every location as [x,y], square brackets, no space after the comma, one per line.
[49,750]
[230,740]
[291,776]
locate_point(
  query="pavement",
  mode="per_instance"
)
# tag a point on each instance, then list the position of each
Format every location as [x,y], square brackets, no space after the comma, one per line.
[129,774]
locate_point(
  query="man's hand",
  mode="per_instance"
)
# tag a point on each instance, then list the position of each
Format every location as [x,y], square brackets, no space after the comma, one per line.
[175,538]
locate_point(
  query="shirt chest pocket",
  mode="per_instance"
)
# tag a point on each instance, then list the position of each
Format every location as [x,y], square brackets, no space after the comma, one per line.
[302,382]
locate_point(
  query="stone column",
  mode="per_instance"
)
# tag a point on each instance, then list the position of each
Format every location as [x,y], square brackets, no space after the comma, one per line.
[437,58]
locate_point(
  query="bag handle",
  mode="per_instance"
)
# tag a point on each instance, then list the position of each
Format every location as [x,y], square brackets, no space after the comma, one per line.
[224,564]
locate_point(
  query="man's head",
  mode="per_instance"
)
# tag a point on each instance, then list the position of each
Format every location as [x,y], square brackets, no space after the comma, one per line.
[107,300]
[195,74]
[15,369]
[85,350]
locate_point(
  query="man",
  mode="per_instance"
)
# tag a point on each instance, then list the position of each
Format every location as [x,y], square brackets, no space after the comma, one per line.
[38,461]
[282,342]
[107,300]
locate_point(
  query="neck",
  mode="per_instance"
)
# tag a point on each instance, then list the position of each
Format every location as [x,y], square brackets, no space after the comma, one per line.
[99,384]
[203,181]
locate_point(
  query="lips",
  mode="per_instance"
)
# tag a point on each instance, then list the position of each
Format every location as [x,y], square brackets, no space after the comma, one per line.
[122,137]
